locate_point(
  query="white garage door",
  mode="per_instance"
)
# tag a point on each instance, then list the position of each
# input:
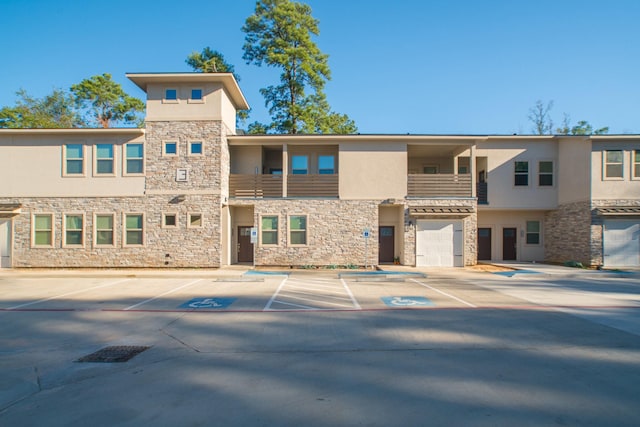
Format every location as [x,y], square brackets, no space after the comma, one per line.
[621,243]
[439,243]
[5,243]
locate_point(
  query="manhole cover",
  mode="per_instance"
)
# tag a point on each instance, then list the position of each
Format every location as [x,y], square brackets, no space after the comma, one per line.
[113,354]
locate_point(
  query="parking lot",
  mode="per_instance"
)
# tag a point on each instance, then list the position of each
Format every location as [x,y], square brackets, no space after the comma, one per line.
[237,347]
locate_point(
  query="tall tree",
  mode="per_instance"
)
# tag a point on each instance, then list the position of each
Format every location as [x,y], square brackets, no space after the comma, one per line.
[210,61]
[107,101]
[56,110]
[279,34]
[540,116]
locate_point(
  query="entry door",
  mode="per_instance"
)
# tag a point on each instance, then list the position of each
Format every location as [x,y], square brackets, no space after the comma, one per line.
[5,243]
[484,244]
[245,247]
[386,240]
[509,244]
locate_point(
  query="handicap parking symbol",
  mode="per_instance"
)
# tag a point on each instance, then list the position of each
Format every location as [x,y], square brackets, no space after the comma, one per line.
[208,303]
[407,301]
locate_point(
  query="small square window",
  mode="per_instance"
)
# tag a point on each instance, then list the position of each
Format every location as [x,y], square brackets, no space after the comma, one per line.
[171,95]
[196,95]
[326,165]
[195,148]
[170,220]
[194,220]
[299,165]
[170,148]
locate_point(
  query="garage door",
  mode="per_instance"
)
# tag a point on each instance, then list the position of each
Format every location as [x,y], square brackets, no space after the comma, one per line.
[439,243]
[621,243]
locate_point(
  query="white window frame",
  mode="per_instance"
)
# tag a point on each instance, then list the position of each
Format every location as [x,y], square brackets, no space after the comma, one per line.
[164,148]
[113,159]
[196,101]
[125,158]
[113,230]
[64,230]
[65,173]
[526,232]
[605,163]
[52,230]
[191,143]
[635,164]
[552,173]
[168,214]
[306,231]
[141,230]
[190,215]
[277,230]
[170,101]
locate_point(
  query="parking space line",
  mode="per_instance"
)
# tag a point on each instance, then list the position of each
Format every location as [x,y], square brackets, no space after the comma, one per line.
[275,294]
[444,293]
[162,294]
[65,295]
[306,307]
[353,298]
[288,291]
[314,300]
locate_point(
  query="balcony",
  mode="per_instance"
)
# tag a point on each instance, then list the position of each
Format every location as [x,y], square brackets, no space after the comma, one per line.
[272,186]
[482,193]
[439,185]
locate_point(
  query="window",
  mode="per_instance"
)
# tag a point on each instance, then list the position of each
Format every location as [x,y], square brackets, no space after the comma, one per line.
[545,174]
[613,167]
[533,232]
[521,173]
[74,159]
[326,165]
[73,230]
[42,230]
[431,170]
[463,170]
[636,163]
[170,95]
[104,159]
[195,148]
[269,230]
[196,95]
[103,224]
[134,159]
[170,148]
[194,220]
[299,165]
[169,220]
[298,230]
[134,229]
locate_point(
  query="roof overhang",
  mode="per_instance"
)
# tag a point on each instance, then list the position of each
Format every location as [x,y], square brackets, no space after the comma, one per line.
[8,210]
[75,131]
[142,80]
[619,211]
[425,211]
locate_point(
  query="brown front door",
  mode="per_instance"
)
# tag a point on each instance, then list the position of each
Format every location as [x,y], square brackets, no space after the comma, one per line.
[245,247]
[509,244]
[484,244]
[386,240]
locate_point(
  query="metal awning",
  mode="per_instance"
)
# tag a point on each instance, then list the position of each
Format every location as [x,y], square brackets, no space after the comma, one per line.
[441,210]
[619,210]
[7,210]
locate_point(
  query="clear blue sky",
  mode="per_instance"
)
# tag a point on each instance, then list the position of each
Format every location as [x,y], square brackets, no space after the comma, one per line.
[404,66]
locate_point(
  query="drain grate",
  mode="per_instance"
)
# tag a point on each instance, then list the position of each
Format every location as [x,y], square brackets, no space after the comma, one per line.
[113,354]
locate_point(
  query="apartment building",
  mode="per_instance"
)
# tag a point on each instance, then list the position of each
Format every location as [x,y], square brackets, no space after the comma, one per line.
[188,190]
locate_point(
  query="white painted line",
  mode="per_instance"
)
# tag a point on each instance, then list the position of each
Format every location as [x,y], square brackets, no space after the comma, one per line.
[314,287]
[268,306]
[67,294]
[319,302]
[353,299]
[443,293]
[294,305]
[162,294]
[325,295]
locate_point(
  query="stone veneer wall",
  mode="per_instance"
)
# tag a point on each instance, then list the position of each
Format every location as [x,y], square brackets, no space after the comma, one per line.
[334,231]
[186,247]
[567,234]
[470,227]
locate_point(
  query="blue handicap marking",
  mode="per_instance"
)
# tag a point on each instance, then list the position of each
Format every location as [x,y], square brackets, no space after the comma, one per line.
[407,301]
[208,303]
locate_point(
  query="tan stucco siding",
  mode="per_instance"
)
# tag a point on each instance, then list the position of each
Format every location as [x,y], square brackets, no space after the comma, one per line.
[33,166]
[614,188]
[373,171]
[573,175]
[498,220]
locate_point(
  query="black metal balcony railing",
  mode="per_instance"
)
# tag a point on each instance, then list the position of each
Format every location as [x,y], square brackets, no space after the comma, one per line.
[482,193]
[439,185]
[266,186]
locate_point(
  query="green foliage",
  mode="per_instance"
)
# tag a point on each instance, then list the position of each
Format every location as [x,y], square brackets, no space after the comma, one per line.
[56,110]
[540,116]
[581,128]
[210,61]
[107,101]
[279,35]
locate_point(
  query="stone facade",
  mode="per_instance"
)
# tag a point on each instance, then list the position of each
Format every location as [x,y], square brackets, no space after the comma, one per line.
[565,234]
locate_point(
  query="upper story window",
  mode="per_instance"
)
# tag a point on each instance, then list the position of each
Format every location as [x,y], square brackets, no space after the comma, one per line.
[73,159]
[197,95]
[326,165]
[430,169]
[545,173]
[195,148]
[104,159]
[636,163]
[521,174]
[134,159]
[613,164]
[170,95]
[169,148]
[299,165]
